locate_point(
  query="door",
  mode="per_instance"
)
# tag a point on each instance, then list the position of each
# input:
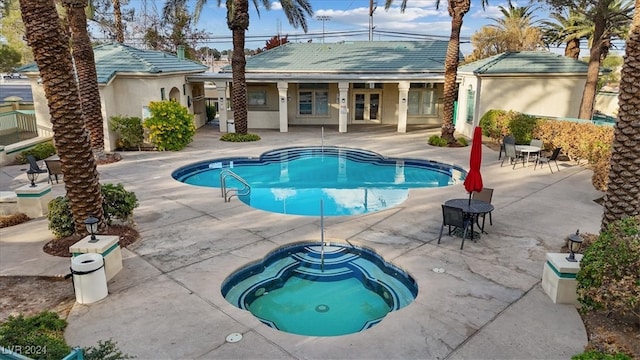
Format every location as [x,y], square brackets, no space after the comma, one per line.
[367,106]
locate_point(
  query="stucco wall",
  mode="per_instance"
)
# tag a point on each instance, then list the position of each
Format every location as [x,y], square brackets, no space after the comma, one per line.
[607,103]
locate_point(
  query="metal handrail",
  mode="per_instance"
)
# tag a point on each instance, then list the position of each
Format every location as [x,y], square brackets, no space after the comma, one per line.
[228,194]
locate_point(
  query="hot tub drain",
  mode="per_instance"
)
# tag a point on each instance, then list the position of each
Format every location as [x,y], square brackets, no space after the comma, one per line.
[322,308]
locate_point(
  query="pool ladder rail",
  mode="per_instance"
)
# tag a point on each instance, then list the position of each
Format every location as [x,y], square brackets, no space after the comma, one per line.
[228,193]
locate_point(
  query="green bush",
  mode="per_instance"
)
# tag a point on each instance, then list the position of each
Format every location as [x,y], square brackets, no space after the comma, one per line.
[462,141]
[170,125]
[609,276]
[106,350]
[39,337]
[489,124]
[118,203]
[597,355]
[128,129]
[211,112]
[521,126]
[436,140]
[60,217]
[40,151]
[235,137]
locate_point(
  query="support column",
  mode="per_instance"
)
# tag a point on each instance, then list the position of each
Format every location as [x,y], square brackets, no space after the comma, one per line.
[344,106]
[403,106]
[283,106]
[221,86]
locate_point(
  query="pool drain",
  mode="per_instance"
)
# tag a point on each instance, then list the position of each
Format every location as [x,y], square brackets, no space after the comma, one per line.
[234,337]
[322,308]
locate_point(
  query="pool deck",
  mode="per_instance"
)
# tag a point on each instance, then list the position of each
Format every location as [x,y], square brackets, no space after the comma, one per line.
[488,303]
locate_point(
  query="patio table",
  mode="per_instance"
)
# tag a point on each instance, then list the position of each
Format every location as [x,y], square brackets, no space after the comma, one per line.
[471,209]
[528,149]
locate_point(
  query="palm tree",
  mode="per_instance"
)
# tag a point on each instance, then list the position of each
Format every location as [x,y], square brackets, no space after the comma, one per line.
[569,29]
[623,192]
[238,23]
[457,10]
[51,51]
[117,15]
[85,64]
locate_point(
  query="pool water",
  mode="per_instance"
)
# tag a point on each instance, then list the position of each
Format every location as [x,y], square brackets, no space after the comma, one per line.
[295,291]
[348,181]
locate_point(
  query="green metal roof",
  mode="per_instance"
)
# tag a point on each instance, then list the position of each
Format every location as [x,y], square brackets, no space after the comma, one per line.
[112,59]
[352,57]
[525,62]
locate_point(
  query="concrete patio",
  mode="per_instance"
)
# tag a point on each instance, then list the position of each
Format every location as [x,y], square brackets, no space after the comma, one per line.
[488,304]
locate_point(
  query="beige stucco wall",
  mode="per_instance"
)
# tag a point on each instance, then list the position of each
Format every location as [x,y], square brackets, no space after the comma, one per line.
[607,103]
[556,96]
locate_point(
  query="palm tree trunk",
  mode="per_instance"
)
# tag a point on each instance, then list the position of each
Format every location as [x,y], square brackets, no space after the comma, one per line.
[87,77]
[457,10]
[623,191]
[573,49]
[117,15]
[593,69]
[238,25]
[45,37]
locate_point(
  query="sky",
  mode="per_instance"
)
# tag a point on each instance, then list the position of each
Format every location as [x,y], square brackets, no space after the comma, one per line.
[348,20]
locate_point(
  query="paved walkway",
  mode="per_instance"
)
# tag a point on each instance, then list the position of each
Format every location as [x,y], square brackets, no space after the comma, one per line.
[166,302]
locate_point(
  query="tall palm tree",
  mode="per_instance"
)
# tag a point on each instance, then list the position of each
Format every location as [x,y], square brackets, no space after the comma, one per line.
[117,15]
[623,192]
[238,22]
[569,28]
[518,28]
[85,64]
[457,10]
[51,51]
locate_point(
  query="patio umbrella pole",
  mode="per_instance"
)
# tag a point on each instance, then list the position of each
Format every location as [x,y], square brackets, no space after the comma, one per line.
[321,236]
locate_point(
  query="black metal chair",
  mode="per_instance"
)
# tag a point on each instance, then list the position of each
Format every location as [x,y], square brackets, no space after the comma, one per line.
[454,217]
[486,194]
[548,160]
[33,164]
[509,139]
[513,156]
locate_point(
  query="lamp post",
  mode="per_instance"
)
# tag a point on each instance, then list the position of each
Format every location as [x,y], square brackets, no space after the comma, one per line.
[575,242]
[91,224]
[323,18]
[32,176]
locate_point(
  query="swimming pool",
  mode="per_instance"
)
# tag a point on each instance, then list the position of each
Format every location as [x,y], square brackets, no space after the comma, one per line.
[314,290]
[348,181]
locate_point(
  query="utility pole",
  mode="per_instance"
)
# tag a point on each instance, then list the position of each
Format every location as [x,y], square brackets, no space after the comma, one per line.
[323,18]
[372,8]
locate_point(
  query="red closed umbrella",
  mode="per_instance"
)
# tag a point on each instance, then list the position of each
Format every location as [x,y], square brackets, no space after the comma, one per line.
[473,181]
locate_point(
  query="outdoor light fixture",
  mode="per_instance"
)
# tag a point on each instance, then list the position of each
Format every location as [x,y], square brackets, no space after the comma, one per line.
[32,176]
[92,227]
[575,242]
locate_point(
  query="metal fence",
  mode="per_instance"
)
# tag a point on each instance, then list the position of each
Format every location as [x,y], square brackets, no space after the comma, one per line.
[17,125]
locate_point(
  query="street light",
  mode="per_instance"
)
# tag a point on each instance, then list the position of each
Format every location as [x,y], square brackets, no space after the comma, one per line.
[32,176]
[91,224]
[575,242]
[323,18]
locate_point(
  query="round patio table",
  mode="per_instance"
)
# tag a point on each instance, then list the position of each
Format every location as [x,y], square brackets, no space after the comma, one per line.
[528,149]
[471,209]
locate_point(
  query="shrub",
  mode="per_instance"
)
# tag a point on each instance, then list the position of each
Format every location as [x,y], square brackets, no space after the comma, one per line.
[436,140]
[13,219]
[118,203]
[40,151]
[597,355]
[211,112]
[462,141]
[129,130]
[39,336]
[106,350]
[235,137]
[521,126]
[60,217]
[609,276]
[489,124]
[170,125]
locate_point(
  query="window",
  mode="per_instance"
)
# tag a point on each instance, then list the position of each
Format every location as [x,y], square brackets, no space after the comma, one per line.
[257,98]
[422,102]
[313,99]
[470,105]
[368,85]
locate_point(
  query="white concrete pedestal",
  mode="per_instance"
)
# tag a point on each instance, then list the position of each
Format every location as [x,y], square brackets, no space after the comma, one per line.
[107,246]
[34,201]
[559,278]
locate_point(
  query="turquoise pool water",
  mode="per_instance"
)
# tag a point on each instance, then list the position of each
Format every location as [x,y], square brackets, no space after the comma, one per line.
[295,291]
[348,181]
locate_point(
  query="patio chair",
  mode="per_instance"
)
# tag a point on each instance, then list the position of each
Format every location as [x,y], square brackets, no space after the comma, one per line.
[54,167]
[509,139]
[453,216]
[33,164]
[511,153]
[537,143]
[486,194]
[548,160]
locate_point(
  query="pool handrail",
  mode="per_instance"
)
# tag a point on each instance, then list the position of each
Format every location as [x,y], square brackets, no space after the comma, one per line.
[228,194]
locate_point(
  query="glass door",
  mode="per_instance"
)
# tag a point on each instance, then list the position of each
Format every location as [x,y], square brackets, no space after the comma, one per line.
[367,106]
